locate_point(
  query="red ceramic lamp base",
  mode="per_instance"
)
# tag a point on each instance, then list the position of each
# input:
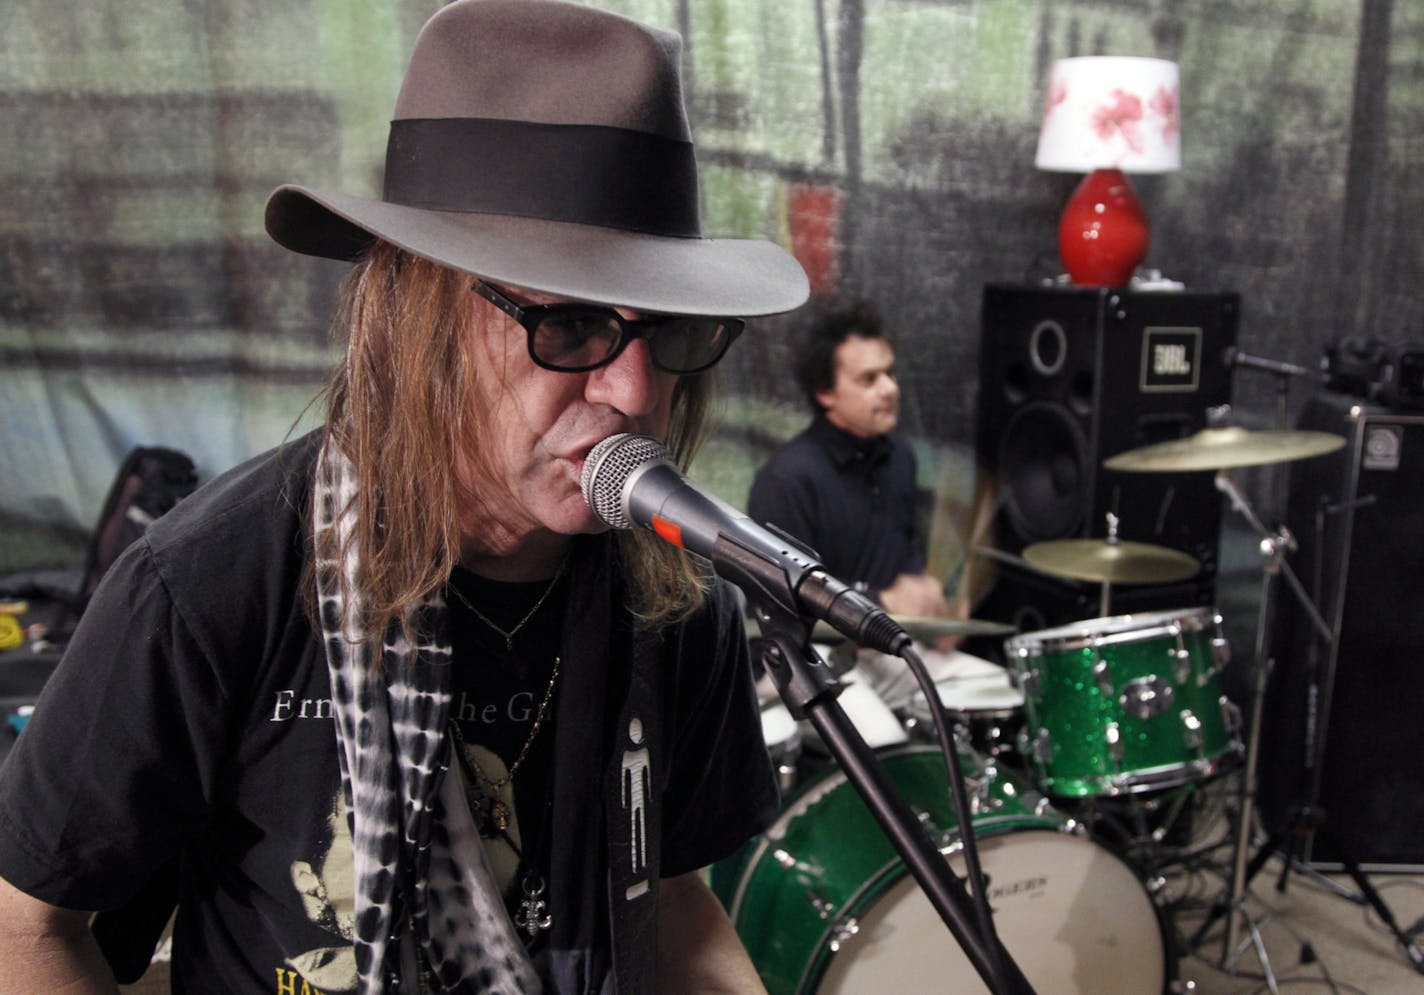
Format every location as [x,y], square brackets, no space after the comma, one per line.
[1103,234]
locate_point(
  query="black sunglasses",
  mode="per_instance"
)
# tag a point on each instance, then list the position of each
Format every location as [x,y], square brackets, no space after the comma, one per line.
[575,338]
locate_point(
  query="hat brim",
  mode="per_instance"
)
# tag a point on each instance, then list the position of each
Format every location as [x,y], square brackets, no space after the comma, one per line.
[724,277]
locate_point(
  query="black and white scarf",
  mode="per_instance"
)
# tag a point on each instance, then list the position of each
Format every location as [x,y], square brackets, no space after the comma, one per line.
[422,882]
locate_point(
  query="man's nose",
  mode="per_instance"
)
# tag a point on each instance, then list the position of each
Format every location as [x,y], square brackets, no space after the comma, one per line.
[629,383]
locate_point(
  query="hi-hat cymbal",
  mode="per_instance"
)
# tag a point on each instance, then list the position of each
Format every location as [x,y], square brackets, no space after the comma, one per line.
[1116,562]
[924,629]
[1225,448]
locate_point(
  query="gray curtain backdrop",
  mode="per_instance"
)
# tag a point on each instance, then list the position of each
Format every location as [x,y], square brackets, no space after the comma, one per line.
[889,143]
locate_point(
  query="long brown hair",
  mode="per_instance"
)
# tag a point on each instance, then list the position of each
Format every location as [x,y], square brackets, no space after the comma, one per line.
[400,408]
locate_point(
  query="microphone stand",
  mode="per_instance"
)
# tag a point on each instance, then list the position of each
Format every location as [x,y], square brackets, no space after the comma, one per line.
[808,687]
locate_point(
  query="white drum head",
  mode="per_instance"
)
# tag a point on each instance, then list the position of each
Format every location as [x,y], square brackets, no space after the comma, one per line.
[983,693]
[893,680]
[1075,919]
[778,728]
[878,725]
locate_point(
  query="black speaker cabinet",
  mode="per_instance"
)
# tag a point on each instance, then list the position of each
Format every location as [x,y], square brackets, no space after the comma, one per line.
[1070,376]
[1358,518]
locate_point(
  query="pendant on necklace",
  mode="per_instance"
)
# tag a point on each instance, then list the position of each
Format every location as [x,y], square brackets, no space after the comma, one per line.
[533,913]
[499,814]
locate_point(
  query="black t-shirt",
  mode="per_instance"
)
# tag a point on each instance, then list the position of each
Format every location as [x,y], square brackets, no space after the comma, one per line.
[851,500]
[498,696]
[190,719]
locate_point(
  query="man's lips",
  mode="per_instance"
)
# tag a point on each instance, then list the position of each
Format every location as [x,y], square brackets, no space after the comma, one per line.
[578,455]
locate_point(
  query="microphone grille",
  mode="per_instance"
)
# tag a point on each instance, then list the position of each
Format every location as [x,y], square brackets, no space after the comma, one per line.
[607,469]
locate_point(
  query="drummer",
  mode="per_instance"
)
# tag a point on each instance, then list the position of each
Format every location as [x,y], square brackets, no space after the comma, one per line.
[846,486]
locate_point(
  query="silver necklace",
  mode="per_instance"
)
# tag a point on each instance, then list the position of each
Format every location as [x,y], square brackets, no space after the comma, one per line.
[510,634]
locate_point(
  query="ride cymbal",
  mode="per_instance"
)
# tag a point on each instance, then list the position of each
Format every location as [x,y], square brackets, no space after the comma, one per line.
[1115,562]
[1224,449]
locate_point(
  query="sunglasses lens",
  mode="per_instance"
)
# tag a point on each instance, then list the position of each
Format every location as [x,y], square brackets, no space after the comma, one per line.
[686,345]
[576,339]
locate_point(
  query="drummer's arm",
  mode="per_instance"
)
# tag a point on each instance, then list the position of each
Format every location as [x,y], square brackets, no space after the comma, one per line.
[915,594]
[698,948]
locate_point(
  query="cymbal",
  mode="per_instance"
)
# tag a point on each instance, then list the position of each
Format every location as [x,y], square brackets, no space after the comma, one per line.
[924,629]
[1225,448]
[1111,562]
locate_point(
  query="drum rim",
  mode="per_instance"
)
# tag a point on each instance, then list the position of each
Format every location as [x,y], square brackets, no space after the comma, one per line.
[835,777]
[885,877]
[1112,630]
[1161,776]
[820,961]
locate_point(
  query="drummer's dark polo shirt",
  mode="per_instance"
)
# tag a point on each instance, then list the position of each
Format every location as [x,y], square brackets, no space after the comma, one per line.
[852,500]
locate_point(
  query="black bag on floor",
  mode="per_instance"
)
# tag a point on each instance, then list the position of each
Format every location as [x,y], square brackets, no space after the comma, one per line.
[150,481]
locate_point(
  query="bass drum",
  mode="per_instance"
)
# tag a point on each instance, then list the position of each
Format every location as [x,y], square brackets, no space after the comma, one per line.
[824,904]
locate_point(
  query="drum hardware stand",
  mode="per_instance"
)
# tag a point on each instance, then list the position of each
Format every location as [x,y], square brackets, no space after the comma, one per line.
[1306,821]
[1273,546]
[1105,598]
[808,688]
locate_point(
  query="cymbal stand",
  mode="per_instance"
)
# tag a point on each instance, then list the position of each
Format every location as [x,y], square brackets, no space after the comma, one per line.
[1105,598]
[1307,820]
[1273,546]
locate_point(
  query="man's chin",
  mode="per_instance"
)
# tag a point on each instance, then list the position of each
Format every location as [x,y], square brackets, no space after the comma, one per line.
[579,520]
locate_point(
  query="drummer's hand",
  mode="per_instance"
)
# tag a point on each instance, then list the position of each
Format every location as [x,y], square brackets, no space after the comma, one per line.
[958,608]
[915,594]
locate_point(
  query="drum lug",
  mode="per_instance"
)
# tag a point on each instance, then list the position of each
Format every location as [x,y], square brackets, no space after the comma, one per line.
[1230,716]
[1146,697]
[823,906]
[1220,657]
[1043,746]
[926,821]
[842,930]
[982,800]
[1220,646]
[1103,677]
[1183,667]
[1191,731]
[1029,682]
[1044,806]
[1113,735]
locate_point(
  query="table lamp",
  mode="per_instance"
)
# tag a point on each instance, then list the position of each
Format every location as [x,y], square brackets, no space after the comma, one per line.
[1107,116]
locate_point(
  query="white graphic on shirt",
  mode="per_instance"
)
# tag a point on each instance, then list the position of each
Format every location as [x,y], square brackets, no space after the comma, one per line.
[637,783]
[326,887]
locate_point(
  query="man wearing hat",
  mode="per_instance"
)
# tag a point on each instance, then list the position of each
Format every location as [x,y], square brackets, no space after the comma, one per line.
[386,709]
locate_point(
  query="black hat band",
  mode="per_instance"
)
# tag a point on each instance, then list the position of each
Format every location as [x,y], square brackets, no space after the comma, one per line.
[588,174]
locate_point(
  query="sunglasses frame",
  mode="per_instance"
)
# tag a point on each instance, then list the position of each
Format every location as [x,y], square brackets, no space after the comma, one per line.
[529,316]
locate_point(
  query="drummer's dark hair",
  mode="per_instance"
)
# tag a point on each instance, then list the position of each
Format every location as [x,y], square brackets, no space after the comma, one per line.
[830,326]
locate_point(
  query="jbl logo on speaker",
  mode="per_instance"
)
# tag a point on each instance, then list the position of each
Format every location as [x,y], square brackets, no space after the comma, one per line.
[1171,359]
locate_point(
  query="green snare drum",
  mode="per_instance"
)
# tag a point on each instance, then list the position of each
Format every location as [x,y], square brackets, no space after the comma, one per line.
[1125,704]
[824,904]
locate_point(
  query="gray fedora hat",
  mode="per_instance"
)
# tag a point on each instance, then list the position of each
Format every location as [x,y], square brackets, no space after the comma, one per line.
[545,145]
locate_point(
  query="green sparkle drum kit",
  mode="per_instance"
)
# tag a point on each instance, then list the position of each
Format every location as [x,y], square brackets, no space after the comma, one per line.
[1116,707]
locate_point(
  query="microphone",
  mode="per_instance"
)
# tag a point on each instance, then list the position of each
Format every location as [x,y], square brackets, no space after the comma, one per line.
[1233,356]
[630,480]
